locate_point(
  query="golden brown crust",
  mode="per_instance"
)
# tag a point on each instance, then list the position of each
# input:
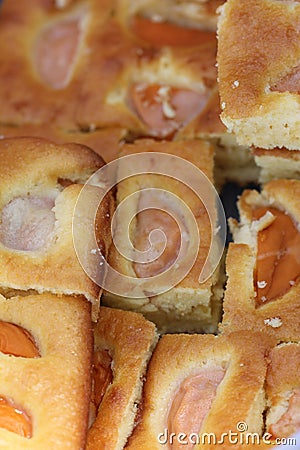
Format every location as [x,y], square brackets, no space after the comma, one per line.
[55,388]
[130,339]
[109,51]
[240,311]
[239,307]
[178,356]
[193,300]
[36,167]
[258,47]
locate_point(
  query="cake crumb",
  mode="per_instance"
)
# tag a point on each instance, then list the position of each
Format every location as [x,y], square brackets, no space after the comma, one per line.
[274,322]
[165,99]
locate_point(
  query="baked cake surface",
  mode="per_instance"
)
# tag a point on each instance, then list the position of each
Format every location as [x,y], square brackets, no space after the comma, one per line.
[262,291]
[106,142]
[192,380]
[39,192]
[189,305]
[123,344]
[51,389]
[258,63]
[92,68]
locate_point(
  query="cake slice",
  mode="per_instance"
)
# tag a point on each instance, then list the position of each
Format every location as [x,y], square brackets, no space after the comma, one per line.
[262,264]
[191,383]
[123,344]
[45,354]
[258,63]
[163,278]
[39,192]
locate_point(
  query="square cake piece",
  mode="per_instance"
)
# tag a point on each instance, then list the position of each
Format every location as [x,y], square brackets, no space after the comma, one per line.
[123,344]
[193,381]
[263,290]
[40,186]
[45,359]
[258,63]
[159,217]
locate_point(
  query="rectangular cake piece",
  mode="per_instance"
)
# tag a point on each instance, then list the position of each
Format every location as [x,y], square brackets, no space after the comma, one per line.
[263,291]
[258,63]
[162,277]
[123,344]
[192,383]
[46,234]
[45,358]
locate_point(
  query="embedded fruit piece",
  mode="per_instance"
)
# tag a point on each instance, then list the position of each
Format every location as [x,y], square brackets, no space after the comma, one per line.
[289,422]
[27,223]
[193,401]
[289,83]
[277,265]
[102,375]
[56,51]
[165,245]
[16,341]
[14,419]
[164,109]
